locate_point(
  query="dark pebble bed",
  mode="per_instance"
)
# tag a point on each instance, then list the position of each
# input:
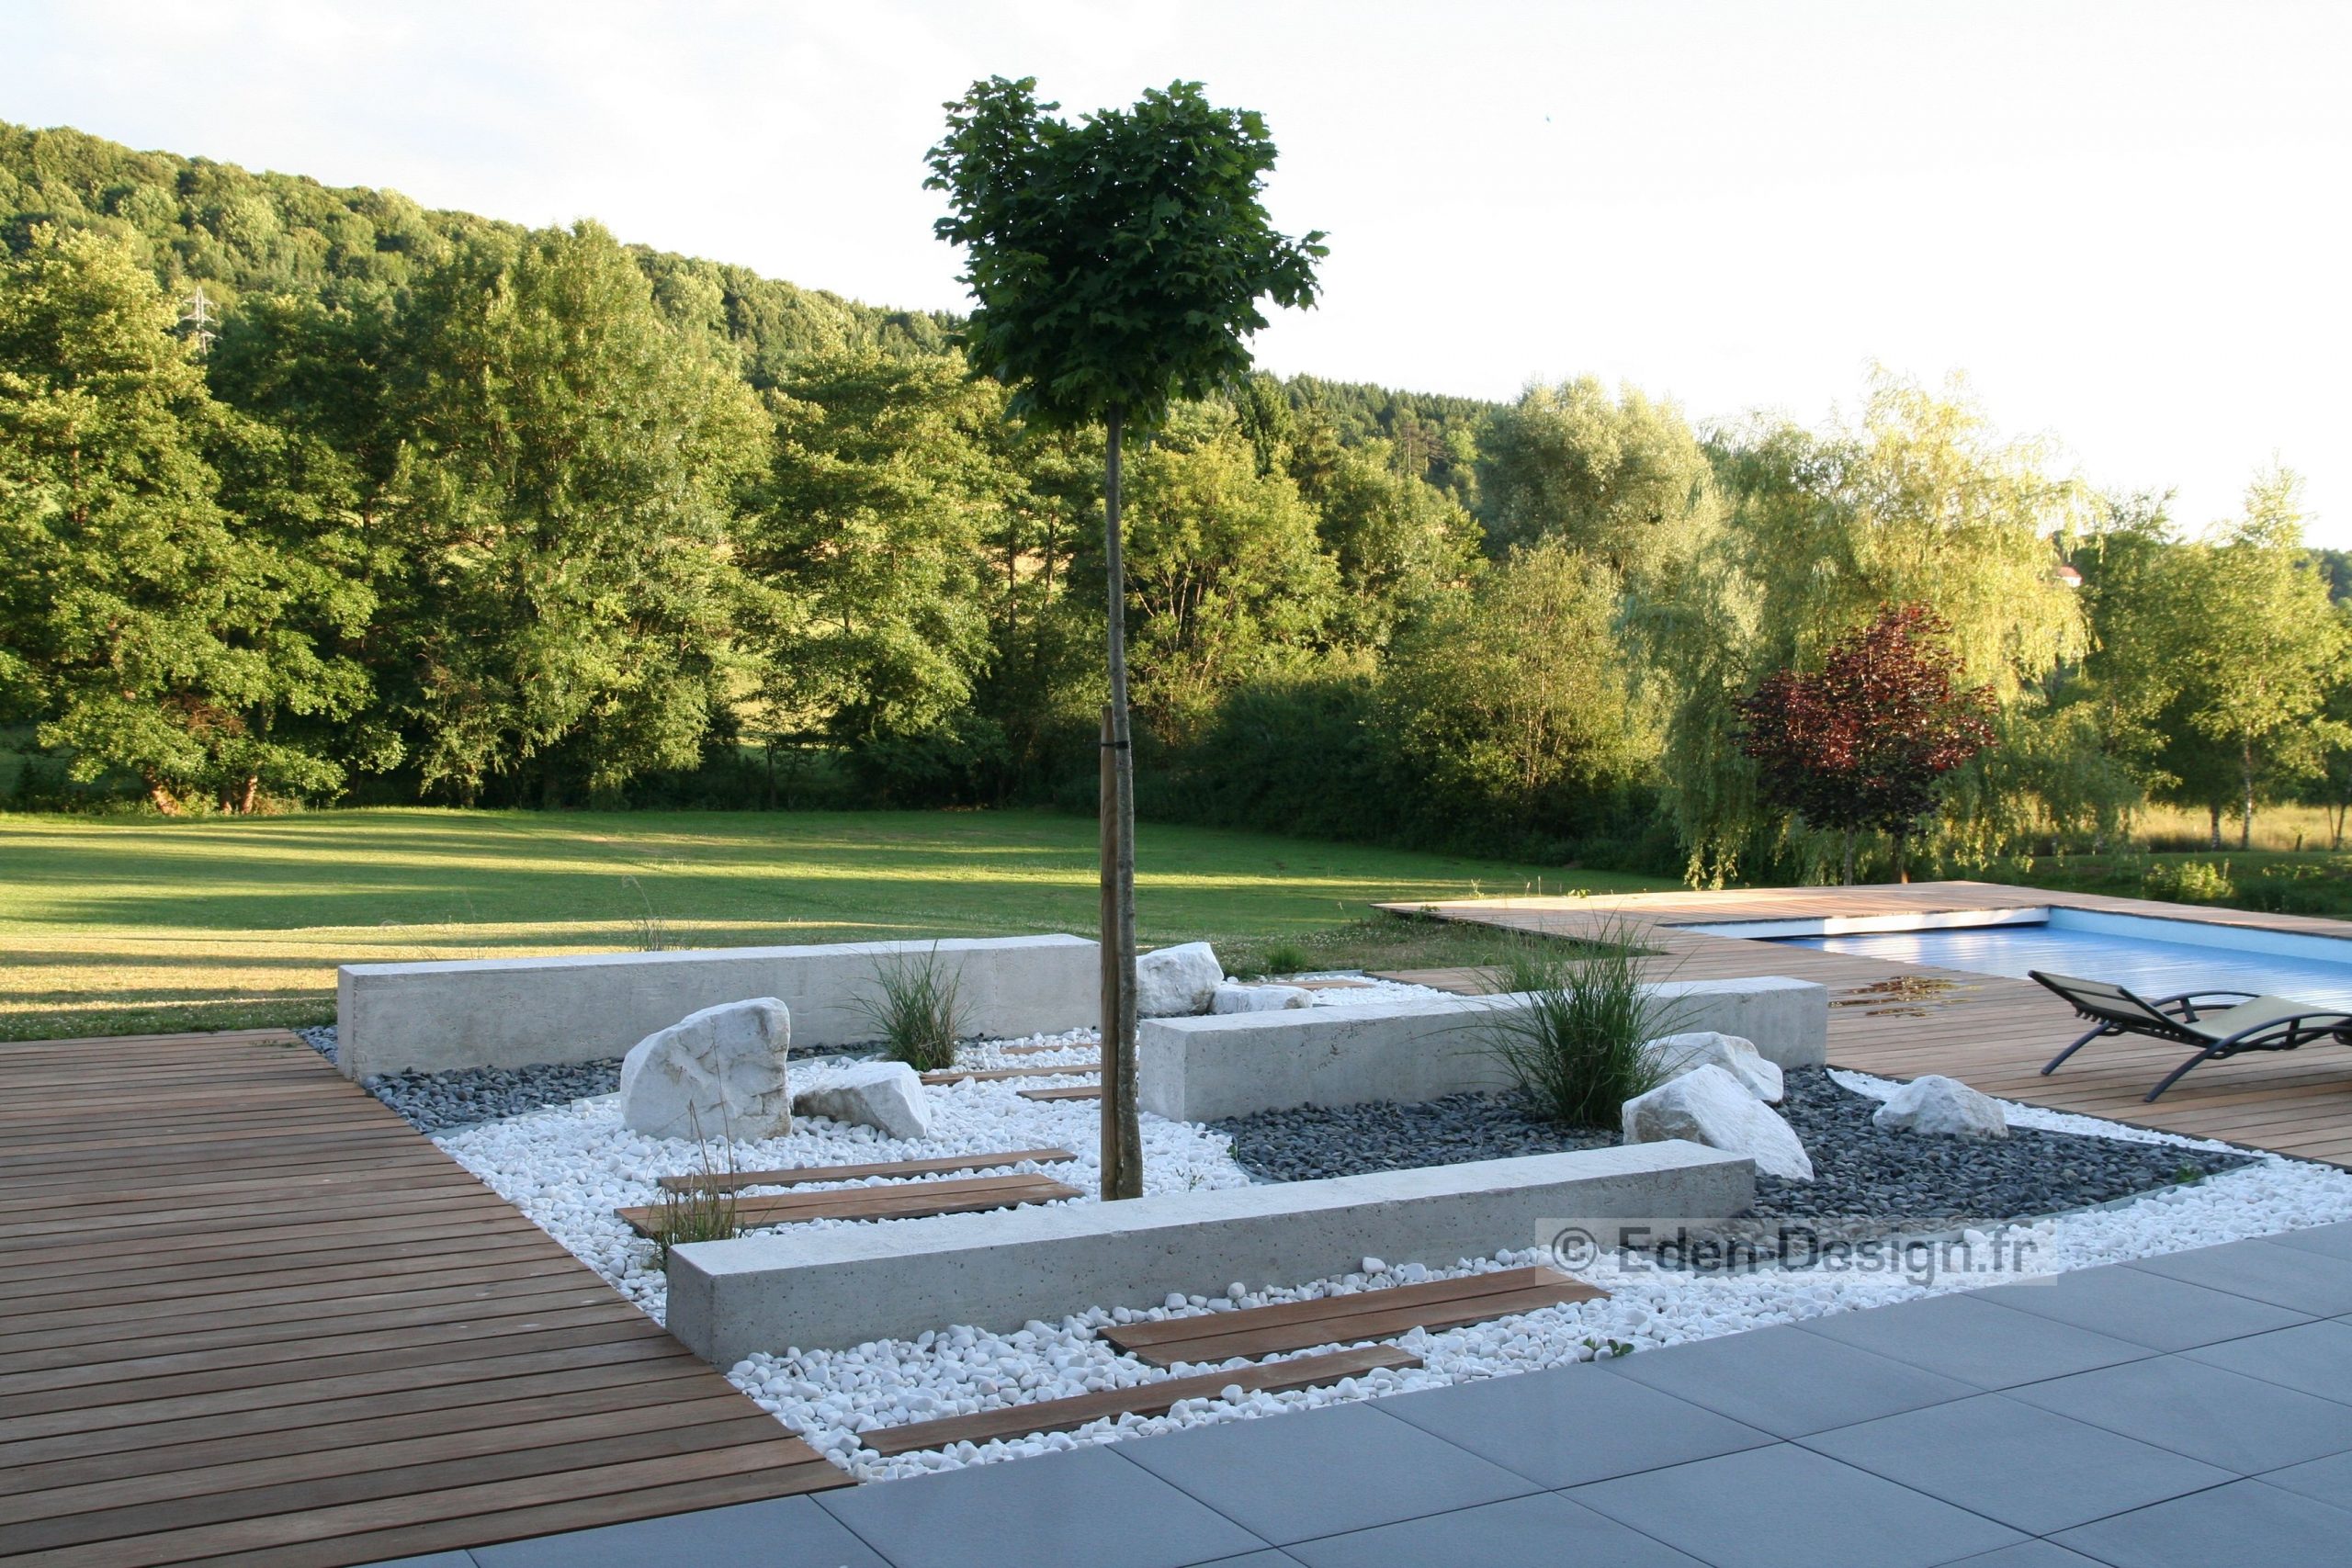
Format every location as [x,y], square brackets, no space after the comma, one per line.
[1875,1179]
[436,1102]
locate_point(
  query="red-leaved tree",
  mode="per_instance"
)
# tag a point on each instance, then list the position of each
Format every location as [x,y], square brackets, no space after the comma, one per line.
[1864,742]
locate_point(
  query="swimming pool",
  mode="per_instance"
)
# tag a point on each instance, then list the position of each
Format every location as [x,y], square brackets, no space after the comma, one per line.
[2154,957]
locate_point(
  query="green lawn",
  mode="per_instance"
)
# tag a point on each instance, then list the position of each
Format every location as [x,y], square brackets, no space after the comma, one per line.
[124,925]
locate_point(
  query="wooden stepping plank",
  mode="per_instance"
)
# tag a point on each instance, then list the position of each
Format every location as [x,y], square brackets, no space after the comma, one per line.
[1039,1050]
[1145,1399]
[1365,1314]
[991,1075]
[1077,1092]
[905,1200]
[724,1181]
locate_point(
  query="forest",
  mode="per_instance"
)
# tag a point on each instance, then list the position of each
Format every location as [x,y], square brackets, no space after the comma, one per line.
[312,495]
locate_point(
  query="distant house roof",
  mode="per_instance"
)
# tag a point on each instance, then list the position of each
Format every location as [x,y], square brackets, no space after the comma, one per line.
[2068,575]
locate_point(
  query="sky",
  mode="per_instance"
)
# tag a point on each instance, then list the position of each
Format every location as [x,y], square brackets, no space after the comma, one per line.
[2125,223]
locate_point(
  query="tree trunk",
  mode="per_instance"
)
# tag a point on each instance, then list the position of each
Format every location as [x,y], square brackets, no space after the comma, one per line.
[247,793]
[165,803]
[2216,810]
[1121,1132]
[2335,829]
[1902,865]
[1846,877]
[2245,773]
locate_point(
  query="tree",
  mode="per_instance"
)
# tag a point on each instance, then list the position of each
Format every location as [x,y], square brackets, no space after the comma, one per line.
[1117,263]
[568,596]
[1862,743]
[1623,479]
[2262,646]
[143,624]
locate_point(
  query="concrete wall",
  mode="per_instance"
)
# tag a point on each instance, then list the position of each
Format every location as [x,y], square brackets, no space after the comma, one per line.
[1199,1069]
[514,1012]
[848,1284]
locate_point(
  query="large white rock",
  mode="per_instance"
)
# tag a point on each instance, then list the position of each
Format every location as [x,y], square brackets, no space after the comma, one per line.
[1177,982]
[1232,997]
[884,1095]
[1708,1105]
[716,1074]
[1941,1105]
[1679,1053]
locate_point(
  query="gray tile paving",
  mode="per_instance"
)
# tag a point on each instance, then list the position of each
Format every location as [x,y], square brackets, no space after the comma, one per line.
[1786,1507]
[1785,1381]
[1573,1424]
[1975,1341]
[2333,1240]
[784,1532]
[2329,1479]
[1085,1508]
[2294,1277]
[2209,1413]
[1316,1472]
[2029,1554]
[1542,1531]
[2147,1309]
[2313,1357]
[2248,1522]
[2030,1469]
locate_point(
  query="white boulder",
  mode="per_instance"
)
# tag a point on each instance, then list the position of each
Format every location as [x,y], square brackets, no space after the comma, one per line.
[1177,982]
[1708,1105]
[1233,998]
[1679,1053]
[714,1073]
[1940,1105]
[883,1094]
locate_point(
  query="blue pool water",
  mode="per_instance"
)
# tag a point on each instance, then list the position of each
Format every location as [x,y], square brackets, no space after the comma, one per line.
[2147,955]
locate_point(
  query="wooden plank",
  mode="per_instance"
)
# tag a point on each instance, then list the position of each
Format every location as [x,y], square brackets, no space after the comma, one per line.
[1363,1315]
[250,1314]
[1083,1091]
[1141,1398]
[796,1175]
[909,1200]
[998,1074]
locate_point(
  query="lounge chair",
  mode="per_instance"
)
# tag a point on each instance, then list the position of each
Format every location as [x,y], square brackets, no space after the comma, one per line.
[2214,1025]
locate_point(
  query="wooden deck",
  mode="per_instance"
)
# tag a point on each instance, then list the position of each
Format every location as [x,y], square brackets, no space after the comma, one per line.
[1903,1019]
[247,1315]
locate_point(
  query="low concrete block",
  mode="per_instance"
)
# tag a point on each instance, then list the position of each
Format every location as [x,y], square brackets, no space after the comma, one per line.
[514,1012]
[848,1284]
[1200,1069]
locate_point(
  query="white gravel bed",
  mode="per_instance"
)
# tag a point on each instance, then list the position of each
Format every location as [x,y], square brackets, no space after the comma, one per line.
[567,1168]
[831,1396]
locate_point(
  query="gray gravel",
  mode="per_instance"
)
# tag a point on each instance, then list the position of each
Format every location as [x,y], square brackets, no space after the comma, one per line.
[437,1102]
[1861,1170]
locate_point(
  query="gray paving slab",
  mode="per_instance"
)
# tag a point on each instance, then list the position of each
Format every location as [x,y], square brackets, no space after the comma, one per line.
[2248,1522]
[2313,1357]
[2333,1240]
[2029,1468]
[1786,1382]
[783,1532]
[1315,1472]
[1083,1508]
[1975,1341]
[1786,1507]
[2030,1554]
[1572,1425]
[2329,1479]
[2148,1309]
[1542,1531]
[2293,1277]
[2209,1413]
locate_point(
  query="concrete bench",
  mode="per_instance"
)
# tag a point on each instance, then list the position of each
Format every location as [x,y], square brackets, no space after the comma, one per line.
[1201,1069]
[514,1012]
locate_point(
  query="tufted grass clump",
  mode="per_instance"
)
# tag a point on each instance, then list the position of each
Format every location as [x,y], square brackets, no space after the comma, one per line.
[917,1008]
[1579,1050]
[704,1210]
